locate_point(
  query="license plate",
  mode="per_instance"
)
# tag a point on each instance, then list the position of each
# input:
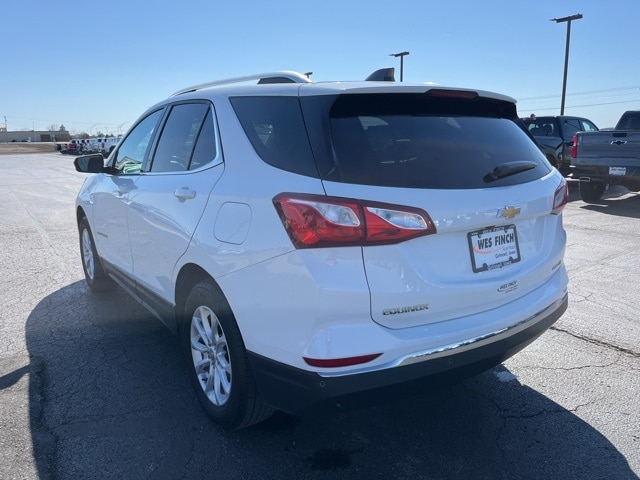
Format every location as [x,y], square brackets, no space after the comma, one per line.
[493,247]
[617,170]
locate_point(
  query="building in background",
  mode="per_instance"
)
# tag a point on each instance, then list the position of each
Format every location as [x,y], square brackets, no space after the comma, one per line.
[33,136]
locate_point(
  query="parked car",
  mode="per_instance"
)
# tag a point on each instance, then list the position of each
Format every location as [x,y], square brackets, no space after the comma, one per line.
[608,157]
[75,146]
[555,136]
[317,244]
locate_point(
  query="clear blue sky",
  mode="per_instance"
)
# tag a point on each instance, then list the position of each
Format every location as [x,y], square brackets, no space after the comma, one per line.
[96,66]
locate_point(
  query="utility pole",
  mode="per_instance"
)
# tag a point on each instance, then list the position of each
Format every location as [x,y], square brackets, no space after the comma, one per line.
[568,20]
[401,55]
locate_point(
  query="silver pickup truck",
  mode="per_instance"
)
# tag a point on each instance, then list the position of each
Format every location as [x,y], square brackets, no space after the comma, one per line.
[607,157]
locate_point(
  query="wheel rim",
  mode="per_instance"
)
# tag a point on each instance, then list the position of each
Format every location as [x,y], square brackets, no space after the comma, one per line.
[210,355]
[87,254]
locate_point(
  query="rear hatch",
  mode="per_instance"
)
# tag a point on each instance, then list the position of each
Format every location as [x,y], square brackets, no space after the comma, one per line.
[460,160]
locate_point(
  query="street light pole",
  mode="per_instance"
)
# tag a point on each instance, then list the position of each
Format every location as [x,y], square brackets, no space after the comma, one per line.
[401,55]
[568,20]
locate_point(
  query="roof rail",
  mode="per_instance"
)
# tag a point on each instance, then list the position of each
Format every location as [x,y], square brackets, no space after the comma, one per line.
[262,78]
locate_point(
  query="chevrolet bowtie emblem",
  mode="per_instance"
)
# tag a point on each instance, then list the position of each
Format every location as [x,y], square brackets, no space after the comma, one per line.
[508,212]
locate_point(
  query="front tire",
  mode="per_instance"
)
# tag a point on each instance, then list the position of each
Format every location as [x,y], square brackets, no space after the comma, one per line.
[591,192]
[94,273]
[217,360]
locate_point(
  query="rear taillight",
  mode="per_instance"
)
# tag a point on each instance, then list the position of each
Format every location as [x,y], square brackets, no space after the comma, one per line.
[574,147]
[561,197]
[314,221]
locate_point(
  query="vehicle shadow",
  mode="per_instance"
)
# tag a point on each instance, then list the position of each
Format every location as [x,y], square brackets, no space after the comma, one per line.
[617,200]
[109,399]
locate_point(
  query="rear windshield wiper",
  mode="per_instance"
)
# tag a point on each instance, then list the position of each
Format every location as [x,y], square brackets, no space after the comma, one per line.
[507,169]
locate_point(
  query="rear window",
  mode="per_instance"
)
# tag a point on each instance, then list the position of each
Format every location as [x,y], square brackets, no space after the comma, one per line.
[413,141]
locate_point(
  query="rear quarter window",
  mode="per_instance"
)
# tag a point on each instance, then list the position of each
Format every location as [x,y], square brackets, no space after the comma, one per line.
[276,130]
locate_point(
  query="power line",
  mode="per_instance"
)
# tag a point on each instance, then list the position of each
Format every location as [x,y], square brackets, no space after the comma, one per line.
[589,105]
[619,89]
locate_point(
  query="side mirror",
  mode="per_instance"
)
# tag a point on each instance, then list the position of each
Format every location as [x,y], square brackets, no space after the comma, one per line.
[89,163]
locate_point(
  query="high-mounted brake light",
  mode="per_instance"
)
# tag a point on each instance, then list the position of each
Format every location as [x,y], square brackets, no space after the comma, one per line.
[314,221]
[561,197]
[442,93]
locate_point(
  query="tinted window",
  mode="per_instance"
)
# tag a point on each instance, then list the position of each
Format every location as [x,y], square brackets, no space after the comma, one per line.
[131,153]
[276,130]
[570,127]
[587,126]
[178,138]
[542,127]
[205,151]
[413,141]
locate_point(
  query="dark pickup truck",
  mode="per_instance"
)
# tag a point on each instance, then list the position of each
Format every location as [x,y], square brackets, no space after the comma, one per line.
[555,134]
[608,157]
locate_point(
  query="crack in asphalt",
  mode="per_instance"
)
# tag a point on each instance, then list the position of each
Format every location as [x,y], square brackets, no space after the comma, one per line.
[595,341]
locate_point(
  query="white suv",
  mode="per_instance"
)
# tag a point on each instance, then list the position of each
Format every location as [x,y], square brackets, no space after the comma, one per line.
[314,244]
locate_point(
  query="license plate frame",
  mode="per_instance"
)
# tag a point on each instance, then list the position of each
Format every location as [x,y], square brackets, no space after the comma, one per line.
[617,171]
[493,247]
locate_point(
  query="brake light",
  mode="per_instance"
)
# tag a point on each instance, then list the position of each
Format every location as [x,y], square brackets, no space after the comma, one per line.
[315,221]
[340,362]
[446,93]
[574,147]
[561,197]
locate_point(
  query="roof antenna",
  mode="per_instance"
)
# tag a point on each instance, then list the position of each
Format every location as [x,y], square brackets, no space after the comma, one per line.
[382,75]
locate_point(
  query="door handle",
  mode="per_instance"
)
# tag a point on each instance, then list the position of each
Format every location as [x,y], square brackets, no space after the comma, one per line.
[185,193]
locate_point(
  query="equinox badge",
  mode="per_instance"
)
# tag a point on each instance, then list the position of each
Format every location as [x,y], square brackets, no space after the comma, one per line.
[413,308]
[508,212]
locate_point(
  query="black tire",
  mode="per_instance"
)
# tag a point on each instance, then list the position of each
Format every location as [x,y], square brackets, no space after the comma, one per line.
[94,273]
[591,192]
[224,383]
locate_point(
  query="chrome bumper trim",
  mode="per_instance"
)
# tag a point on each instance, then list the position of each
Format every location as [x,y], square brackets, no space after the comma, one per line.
[457,347]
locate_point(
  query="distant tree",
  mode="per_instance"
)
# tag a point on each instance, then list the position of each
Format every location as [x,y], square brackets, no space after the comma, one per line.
[62,128]
[52,127]
[99,133]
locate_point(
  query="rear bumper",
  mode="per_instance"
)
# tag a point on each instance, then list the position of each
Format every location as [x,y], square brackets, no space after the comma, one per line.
[600,174]
[298,391]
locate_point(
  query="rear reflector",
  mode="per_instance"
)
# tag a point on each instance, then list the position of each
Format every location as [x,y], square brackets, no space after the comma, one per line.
[314,221]
[340,362]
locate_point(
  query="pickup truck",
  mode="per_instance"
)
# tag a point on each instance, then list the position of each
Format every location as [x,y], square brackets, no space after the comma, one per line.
[106,145]
[608,157]
[555,135]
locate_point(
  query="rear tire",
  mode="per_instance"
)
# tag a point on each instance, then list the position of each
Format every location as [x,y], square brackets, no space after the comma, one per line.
[217,360]
[94,273]
[591,192]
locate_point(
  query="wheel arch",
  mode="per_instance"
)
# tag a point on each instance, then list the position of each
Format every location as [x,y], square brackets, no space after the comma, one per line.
[80,214]
[189,276]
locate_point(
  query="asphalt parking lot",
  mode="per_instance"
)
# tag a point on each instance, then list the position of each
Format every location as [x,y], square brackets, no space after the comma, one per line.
[92,386]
